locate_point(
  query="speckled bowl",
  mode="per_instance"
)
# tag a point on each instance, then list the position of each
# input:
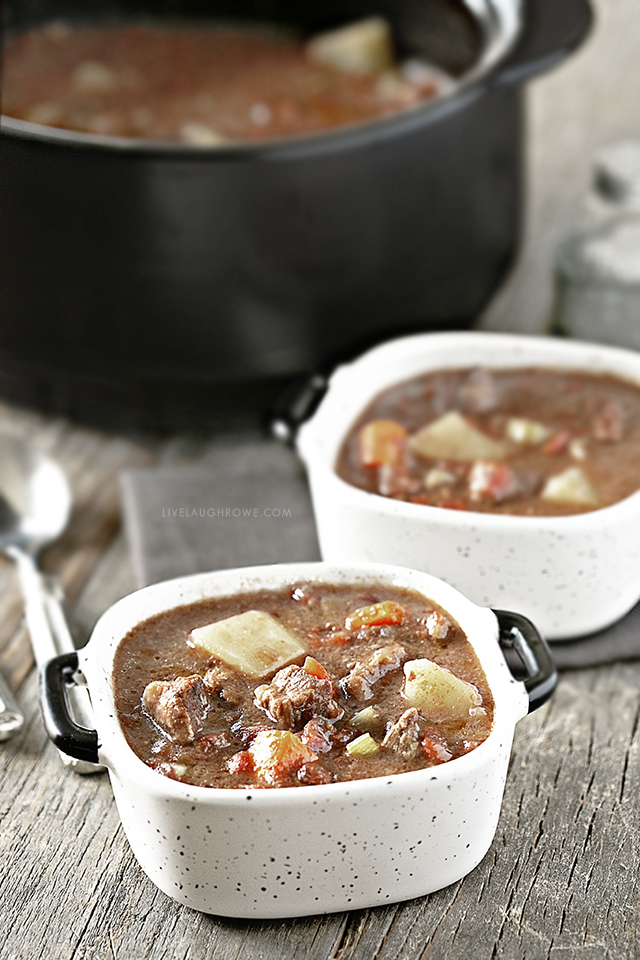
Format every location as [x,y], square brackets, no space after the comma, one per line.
[571,575]
[303,850]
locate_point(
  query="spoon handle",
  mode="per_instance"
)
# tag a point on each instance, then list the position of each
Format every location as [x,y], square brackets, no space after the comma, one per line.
[11,718]
[50,636]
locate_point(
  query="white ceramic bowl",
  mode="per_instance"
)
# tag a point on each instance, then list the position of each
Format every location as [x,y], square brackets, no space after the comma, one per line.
[571,575]
[301,850]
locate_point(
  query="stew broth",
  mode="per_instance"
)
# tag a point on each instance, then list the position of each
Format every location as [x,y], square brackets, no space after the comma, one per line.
[343,709]
[531,442]
[204,86]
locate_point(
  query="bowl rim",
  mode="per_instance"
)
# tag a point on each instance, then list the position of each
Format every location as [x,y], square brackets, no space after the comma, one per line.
[510,697]
[321,461]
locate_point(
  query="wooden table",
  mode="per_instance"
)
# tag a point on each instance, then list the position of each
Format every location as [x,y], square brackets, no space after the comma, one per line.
[561,879]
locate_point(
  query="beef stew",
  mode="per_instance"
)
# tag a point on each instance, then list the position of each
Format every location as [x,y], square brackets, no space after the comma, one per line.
[208,85]
[307,685]
[530,442]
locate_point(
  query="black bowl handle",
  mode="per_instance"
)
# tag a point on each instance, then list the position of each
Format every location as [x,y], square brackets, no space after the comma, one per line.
[75,741]
[536,667]
[553,29]
[297,404]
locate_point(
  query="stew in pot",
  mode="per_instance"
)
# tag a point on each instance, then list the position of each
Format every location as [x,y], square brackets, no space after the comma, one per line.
[211,85]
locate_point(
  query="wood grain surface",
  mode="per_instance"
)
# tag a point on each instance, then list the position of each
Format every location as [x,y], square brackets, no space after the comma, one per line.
[561,879]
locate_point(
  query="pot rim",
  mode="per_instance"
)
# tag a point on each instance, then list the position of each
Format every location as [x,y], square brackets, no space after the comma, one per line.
[501,25]
[96,661]
[319,451]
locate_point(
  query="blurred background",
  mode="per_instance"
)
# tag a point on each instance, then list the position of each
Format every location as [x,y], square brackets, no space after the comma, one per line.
[572,113]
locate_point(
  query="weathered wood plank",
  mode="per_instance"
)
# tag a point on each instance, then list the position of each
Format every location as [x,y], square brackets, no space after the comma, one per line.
[560,881]
[92,462]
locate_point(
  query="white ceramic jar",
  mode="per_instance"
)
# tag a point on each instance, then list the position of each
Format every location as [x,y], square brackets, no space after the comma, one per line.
[296,851]
[571,575]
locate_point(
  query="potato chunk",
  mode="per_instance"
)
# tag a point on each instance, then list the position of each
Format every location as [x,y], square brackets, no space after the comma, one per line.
[362,47]
[253,642]
[572,487]
[437,693]
[451,437]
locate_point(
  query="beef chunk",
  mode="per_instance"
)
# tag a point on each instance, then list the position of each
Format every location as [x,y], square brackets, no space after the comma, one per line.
[405,736]
[294,696]
[223,682]
[357,683]
[179,706]
[479,392]
[314,774]
[609,423]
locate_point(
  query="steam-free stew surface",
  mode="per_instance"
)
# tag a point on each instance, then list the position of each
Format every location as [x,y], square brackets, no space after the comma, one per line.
[348,718]
[530,441]
[201,85]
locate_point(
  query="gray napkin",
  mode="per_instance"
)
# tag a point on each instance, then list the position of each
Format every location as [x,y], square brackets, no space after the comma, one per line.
[248,503]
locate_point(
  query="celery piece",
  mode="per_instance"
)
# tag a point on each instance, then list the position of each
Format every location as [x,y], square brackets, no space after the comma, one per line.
[451,437]
[363,746]
[438,478]
[437,693]
[253,642]
[367,720]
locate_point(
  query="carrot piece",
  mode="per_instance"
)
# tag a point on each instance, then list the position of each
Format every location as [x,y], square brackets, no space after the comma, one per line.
[377,615]
[316,669]
[381,442]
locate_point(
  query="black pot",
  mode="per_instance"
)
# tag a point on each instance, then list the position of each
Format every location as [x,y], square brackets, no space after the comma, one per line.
[132,262]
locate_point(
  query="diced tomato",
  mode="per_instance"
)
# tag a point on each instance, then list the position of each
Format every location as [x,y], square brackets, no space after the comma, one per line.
[241,762]
[317,735]
[330,637]
[316,669]
[558,443]
[492,479]
[435,750]
[278,753]
[381,442]
[456,504]
[377,615]
[421,498]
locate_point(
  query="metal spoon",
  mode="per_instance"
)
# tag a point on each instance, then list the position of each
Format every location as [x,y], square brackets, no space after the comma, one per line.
[34,508]
[11,717]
